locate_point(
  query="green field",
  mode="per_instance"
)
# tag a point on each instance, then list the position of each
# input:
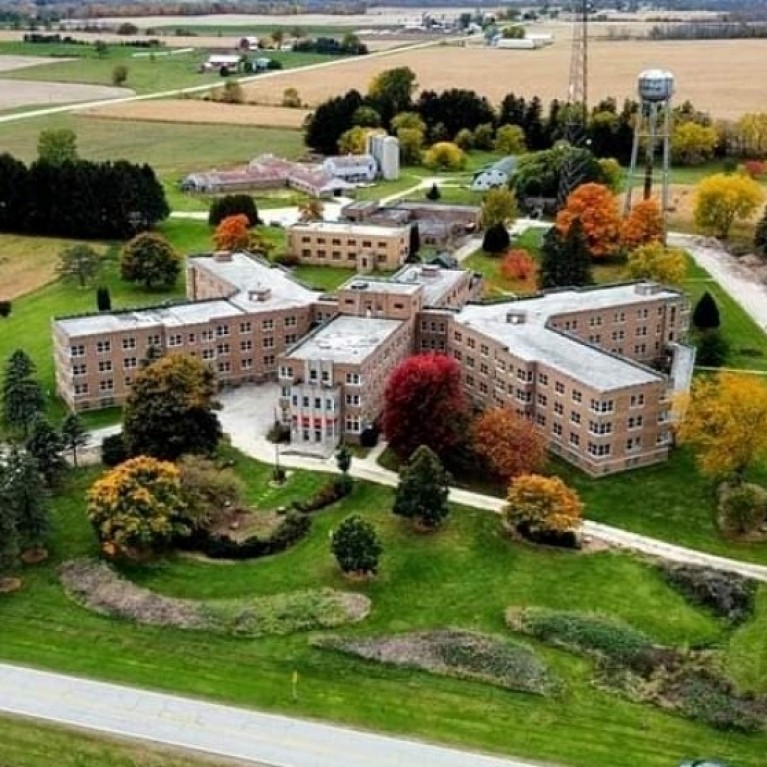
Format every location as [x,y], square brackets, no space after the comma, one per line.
[462,576]
[30,743]
[145,73]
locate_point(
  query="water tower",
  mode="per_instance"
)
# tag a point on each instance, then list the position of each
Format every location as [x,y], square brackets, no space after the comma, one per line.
[653,126]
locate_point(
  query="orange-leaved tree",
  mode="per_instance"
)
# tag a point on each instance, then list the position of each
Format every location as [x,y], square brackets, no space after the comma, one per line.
[643,225]
[597,208]
[232,233]
[725,421]
[137,505]
[537,504]
[517,265]
[509,443]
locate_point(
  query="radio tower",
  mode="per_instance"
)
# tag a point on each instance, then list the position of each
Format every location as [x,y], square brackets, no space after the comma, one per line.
[576,115]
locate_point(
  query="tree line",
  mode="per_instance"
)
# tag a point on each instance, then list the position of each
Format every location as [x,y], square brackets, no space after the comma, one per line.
[79,198]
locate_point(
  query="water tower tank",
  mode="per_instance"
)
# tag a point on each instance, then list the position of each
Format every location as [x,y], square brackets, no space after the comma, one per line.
[655,85]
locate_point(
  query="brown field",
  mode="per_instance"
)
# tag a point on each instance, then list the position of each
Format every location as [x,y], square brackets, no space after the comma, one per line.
[724,77]
[19,93]
[197,111]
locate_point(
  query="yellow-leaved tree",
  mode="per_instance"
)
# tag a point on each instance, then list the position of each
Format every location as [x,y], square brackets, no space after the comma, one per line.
[138,506]
[723,199]
[537,504]
[725,422]
[655,262]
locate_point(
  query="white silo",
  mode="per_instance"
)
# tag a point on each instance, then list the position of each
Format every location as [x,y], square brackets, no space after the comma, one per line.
[653,125]
[389,161]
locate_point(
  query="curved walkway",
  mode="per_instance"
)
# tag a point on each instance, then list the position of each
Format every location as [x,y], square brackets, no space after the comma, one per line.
[234,733]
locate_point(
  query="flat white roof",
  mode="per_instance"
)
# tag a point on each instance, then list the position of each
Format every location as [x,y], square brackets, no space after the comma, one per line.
[532,340]
[362,284]
[350,228]
[345,339]
[437,282]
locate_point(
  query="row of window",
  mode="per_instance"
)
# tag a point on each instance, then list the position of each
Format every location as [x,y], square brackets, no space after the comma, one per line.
[349,242]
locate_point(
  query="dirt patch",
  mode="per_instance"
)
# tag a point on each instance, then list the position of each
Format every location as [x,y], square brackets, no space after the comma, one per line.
[241,524]
[98,587]
[20,93]
[9,63]
[613,69]
[9,585]
[206,112]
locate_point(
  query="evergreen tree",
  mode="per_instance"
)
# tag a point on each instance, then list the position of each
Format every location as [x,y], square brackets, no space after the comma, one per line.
[760,236]
[565,261]
[496,239]
[27,497]
[355,546]
[705,316]
[233,205]
[46,446]
[22,396]
[103,299]
[415,241]
[434,194]
[73,435]
[712,349]
[9,535]
[422,491]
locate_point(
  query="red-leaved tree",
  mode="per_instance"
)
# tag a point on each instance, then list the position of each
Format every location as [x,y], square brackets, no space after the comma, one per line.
[424,404]
[643,225]
[597,209]
[232,233]
[517,265]
[509,443]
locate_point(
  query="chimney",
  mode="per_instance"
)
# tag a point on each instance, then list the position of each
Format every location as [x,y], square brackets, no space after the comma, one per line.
[222,256]
[259,293]
[516,317]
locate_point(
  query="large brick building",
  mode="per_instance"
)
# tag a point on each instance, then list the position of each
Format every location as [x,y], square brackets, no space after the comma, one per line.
[575,361]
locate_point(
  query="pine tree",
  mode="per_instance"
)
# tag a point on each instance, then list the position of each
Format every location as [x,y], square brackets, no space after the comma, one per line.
[45,445]
[496,239]
[422,491]
[103,299]
[9,536]
[565,261]
[355,546]
[434,194]
[705,316]
[415,242]
[28,499]
[22,396]
[73,435]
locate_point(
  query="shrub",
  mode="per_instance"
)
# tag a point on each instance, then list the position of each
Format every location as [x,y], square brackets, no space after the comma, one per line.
[279,433]
[712,349]
[743,507]
[369,436]
[119,74]
[454,653]
[5,308]
[287,259]
[728,595]
[114,450]
[356,546]
[233,205]
[542,508]
[433,194]
[496,239]
[517,265]
[328,494]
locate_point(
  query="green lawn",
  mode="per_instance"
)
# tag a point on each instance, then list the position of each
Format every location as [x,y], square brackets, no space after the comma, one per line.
[322,277]
[31,743]
[462,576]
[145,74]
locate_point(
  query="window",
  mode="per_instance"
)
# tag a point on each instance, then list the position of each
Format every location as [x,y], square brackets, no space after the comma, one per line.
[543,379]
[663,438]
[353,399]
[246,345]
[542,400]
[325,376]
[246,364]
[558,408]
[267,325]
[559,388]
[129,343]
[471,343]
[483,369]
[637,400]
[640,349]
[102,347]
[246,327]
[206,335]
[576,396]
[641,331]
[77,351]
[106,385]
[305,401]
[574,439]
[269,360]
[633,444]
[601,427]
[175,340]
[602,406]
[575,417]
[268,342]
[470,380]
[222,349]
[81,389]
[208,354]
[620,316]
[483,387]
[618,335]
[484,350]
[353,425]
[636,422]
[556,429]
[353,379]
[79,370]
[318,403]
[224,367]
[523,396]
[469,361]
[154,340]
[540,419]
[105,366]
[599,450]
[458,337]
[291,338]
[290,322]
[285,391]
[286,372]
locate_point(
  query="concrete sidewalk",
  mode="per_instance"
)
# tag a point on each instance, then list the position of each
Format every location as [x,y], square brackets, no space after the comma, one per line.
[226,731]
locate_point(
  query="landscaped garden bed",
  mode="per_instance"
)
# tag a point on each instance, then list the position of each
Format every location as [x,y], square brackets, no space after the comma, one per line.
[456,653]
[98,587]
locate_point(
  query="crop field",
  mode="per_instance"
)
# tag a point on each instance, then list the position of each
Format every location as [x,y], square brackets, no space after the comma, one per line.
[20,93]
[725,91]
[198,111]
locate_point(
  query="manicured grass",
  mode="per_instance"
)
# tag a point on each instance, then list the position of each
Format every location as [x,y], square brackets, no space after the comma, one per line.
[322,277]
[173,150]
[145,75]
[31,743]
[463,577]
[747,653]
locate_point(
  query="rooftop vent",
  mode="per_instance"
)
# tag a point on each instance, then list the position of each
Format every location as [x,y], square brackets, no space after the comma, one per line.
[222,256]
[430,270]
[259,293]
[647,288]
[516,317]
[359,285]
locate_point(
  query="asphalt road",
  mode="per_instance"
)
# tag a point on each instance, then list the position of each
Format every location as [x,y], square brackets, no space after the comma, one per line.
[235,733]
